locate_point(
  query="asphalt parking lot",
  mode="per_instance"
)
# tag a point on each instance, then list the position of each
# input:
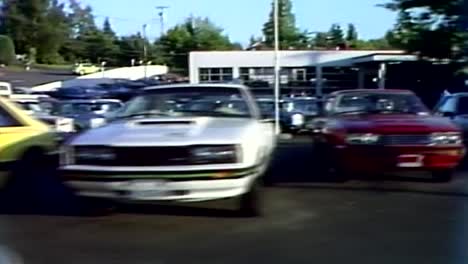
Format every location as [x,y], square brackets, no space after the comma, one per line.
[307,220]
[34,77]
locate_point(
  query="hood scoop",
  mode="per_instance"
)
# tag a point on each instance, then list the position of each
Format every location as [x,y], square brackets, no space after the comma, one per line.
[163,122]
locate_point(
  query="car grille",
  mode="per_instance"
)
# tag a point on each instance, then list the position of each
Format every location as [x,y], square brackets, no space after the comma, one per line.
[405,140]
[141,156]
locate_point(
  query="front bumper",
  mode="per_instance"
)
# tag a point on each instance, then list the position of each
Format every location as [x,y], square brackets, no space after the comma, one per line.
[154,186]
[380,158]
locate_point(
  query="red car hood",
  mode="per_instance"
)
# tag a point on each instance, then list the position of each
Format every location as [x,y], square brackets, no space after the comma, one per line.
[396,124]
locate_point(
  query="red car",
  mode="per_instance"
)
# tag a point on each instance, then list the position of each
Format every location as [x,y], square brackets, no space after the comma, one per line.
[371,131]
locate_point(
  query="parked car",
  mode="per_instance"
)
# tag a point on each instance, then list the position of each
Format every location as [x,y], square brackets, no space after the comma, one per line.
[298,112]
[154,150]
[85,68]
[79,93]
[5,89]
[369,131]
[87,114]
[33,107]
[24,145]
[455,108]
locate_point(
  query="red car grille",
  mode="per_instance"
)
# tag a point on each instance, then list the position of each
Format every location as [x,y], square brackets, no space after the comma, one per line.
[405,140]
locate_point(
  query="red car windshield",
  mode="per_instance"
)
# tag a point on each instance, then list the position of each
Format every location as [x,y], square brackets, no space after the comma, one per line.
[379,103]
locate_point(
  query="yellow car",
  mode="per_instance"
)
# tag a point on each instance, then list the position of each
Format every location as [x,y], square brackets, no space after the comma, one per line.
[25,144]
[85,68]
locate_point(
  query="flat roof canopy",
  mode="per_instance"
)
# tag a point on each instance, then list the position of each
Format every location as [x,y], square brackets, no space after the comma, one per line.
[384,58]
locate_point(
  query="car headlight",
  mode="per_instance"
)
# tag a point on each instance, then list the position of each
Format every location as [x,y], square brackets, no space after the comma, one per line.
[84,154]
[66,156]
[97,122]
[444,139]
[64,125]
[297,120]
[216,154]
[362,139]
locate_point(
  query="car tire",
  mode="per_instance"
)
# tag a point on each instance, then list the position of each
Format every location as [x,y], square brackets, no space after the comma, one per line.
[25,179]
[250,203]
[328,164]
[443,175]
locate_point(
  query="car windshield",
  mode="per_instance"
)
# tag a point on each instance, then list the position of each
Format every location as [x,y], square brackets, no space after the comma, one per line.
[189,101]
[266,107]
[86,108]
[306,106]
[379,103]
[462,107]
[31,106]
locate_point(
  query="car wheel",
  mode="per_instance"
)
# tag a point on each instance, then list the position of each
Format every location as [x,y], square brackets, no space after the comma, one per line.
[329,165]
[249,202]
[26,174]
[443,175]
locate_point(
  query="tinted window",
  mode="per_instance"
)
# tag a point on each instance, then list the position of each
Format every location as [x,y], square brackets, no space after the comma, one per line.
[370,102]
[462,107]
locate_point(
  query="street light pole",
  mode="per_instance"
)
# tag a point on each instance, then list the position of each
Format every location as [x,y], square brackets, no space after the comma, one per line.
[161,17]
[145,50]
[277,69]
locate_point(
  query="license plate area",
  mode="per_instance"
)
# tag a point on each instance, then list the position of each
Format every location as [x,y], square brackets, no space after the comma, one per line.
[145,189]
[410,161]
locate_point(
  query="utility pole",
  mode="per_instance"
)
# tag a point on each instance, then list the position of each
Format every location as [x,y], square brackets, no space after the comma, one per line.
[277,69]
[145,50]
[161,17]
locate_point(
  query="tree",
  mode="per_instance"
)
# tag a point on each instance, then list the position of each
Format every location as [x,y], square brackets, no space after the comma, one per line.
[52,34]
[351,34]
[336,35]
[289,35]
[107,28]
[439,23]
[192,35]
[131,48]
[7,50]
[22,21]
[321,41]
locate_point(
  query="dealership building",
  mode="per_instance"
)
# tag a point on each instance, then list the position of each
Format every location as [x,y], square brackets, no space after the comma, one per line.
[316,71]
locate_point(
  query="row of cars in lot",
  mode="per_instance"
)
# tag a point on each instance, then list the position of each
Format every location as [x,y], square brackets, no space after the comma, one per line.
[200,142]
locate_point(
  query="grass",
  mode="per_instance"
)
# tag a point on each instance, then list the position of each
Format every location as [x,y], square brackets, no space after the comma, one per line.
[52,67]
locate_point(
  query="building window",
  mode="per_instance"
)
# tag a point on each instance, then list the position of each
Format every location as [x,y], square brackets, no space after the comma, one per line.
[216,74]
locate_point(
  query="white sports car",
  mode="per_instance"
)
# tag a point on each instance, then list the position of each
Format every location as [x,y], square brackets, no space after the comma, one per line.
[184,143]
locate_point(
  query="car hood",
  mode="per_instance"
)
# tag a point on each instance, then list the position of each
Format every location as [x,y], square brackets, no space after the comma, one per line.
[397,124]
[168,132]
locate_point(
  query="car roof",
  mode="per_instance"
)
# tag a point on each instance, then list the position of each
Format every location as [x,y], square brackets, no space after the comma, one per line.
[382,91]
[92,101]
[458,94]
[197,85]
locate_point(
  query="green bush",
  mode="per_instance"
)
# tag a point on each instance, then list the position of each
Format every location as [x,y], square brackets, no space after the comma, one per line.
[7,50]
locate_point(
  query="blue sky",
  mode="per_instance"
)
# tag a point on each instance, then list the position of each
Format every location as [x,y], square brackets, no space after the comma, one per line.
[243,18]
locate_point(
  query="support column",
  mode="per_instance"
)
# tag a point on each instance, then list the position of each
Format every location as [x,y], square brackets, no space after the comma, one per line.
[235,73]
[319,81]
[382,75]
[361,78]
